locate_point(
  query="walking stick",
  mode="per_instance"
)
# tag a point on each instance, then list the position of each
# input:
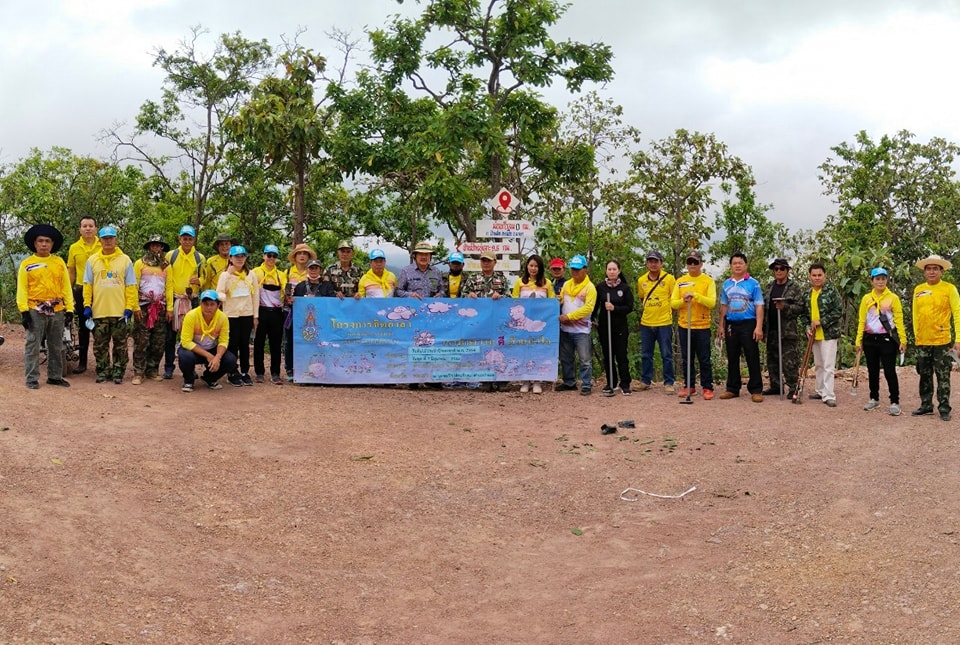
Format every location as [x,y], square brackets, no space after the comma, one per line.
[609,348]
[687,400]
[856,373]
[779,345]
[797,398]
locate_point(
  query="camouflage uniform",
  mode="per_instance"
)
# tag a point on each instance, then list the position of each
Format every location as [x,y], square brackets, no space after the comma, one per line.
[484,286]
[344,282]
[148,344]
[792,308]
[108,329]
[933,360]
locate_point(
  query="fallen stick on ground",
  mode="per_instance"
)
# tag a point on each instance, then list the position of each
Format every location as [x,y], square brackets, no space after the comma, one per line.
[643,492]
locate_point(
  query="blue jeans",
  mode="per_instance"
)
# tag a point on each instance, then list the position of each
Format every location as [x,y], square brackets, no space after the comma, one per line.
[580,345]
[650,336]
[700,345]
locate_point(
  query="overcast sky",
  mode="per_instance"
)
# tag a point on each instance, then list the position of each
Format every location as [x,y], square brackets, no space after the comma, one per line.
[779,82]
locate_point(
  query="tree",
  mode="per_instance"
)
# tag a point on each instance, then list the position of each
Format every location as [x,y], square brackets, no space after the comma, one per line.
[200,93]
[670,187]
[487,126]
[743,225]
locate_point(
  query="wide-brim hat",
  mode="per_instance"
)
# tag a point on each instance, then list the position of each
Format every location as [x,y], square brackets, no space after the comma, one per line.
[225,237]
[488,255]
[43,230]
[300,248]
[423,247]
[946,265]
[779,262]
[156,239]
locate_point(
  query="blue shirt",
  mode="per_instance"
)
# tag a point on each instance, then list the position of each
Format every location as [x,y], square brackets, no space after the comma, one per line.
[412,280]
[742,297]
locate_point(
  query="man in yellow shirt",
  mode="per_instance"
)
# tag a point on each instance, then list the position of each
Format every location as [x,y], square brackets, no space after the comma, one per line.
[183,287]
[80,251]
[204,337]
[45,300]
[935,304]
[656,322]
[578,297]
[698,291]
[217,264]
[377,282]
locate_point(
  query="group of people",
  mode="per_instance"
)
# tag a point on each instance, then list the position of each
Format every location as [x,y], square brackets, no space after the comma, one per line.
[201,312]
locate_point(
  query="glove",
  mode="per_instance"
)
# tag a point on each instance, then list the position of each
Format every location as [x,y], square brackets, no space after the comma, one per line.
[127,315]
[26,321]
[68,318]
[87,312]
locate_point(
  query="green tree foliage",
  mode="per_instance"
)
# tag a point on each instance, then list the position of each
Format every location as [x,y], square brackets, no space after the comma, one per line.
[743,225]
[200,92]
[671,186]
[478,64]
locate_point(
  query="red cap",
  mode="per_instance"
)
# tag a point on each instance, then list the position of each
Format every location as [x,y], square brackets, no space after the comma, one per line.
[556,263]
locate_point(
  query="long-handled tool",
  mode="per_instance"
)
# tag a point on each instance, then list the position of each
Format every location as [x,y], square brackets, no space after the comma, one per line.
[801,377]
[856,373]
[610,348]
[687,400]
[780,346]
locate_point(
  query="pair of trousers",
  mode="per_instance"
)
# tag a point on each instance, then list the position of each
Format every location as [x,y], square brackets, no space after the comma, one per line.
[576,346]
[51,328]
[661,336]
[83,334]
[880,350]
[270,328]
[934,360]
[700,346]
[825,360]
[110,344]
[189,360]
[241,327]
[620,334]
[740,342]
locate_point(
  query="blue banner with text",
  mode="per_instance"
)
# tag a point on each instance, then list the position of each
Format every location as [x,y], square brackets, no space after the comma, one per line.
[405,340]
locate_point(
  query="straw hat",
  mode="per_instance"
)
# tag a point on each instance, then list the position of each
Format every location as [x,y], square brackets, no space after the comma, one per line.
[302,247]
[934,259]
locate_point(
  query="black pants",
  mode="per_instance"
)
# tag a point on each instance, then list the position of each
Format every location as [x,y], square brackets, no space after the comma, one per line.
[740,341]
[880,349]
[620,334]
[83,334]
[189,361]
[240,329]
[269,328]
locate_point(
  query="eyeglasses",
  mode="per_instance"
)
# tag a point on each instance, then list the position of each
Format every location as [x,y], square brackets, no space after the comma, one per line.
[271,255]
[780,269]
[692,262]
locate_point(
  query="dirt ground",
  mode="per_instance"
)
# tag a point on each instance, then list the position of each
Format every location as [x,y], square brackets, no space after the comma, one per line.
[286,514]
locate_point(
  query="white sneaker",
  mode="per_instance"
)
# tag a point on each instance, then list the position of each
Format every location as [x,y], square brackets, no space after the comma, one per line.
[894,409]
[525,387]
[537,389]
[871,404]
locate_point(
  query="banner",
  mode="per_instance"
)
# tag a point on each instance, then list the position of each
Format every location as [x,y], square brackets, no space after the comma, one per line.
[405,340]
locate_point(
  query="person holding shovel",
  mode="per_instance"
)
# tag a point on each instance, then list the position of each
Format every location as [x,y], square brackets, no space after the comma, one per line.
[614,304]
[783,299]
[935,303]
[696,294]
[656,322]
[879,336]
[821,316]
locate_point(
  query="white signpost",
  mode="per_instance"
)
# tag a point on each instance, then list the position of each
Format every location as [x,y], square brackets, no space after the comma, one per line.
[503,264]
[505,228]
[507,246]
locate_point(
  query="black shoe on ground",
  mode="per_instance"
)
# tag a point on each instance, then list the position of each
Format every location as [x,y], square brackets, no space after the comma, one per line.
[772,392]
[258,378]
[413,386]
[118,380]
[101,379]
[80,369]
[57,381]
[585,391]
[815,396]
[627,392]
[944,416]
[234,380]
[921,412]
[246,380]
[563,387]
[33,385]
[607,392]
[167,373]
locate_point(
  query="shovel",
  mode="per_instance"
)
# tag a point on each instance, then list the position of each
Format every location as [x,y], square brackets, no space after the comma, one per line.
[687,401]
[856,373]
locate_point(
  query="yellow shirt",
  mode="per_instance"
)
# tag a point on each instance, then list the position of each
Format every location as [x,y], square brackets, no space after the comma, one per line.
[197,331]
[933,307]
[655,299]
[454,282]
[577,301]
[109,285]
[374,286]
[180,272]
[42,280]
[815,312]
[704,291]
[531,290]
[212,268]
[78,255]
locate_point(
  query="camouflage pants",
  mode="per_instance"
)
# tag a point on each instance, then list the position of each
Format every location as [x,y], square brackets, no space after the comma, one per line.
[107,330]
[791,362]
[933,359]
[148,344]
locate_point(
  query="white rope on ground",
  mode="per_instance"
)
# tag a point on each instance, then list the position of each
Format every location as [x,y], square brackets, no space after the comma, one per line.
[643,492]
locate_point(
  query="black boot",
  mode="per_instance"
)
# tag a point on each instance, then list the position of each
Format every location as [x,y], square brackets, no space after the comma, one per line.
[82,365]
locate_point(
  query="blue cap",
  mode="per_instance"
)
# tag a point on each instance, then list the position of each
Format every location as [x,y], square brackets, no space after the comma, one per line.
[378,254]
[578,262]
[238,250]
[271,248]
[209,294]
[878,271]
[107,231]
[456,256]
[186,229]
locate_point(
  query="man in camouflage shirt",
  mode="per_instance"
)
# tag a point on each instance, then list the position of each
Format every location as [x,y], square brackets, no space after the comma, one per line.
[486,284]
[343,274]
